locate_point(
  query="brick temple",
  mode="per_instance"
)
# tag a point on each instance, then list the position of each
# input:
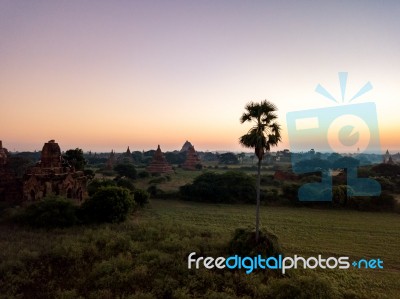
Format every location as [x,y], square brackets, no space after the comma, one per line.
[159,164]
[50,176]
[125,157]
[192,160]
[186,146]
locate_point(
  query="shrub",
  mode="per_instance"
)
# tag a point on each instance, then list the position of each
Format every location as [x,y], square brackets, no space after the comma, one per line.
[154,191]
[127,170]
[387,184]
[269,196]
[89,173]
[108,204]
[339,194]
[96,184]
[389,170]
[383,202]
[244,243]
[228,187]
[75,158]
[310,178]
[290,192]
[141,197]
[50,212]
[125,183]
[143,174]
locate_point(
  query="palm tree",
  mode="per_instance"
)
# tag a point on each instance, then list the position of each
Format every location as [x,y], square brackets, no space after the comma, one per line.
[265,132]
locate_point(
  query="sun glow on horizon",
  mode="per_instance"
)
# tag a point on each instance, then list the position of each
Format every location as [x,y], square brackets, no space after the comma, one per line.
[107,76]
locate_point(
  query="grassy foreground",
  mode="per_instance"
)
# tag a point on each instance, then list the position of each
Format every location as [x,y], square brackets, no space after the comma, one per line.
[146,257]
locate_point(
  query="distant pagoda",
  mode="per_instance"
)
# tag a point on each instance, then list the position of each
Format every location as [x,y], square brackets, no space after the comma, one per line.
[125,157]
[111,161]
[159,164]
[192,160]
[186,146]
[387,158]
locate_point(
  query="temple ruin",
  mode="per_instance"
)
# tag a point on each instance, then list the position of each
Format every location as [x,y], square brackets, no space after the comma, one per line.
[192,160]
[50,176]
[159,164]
[186,146]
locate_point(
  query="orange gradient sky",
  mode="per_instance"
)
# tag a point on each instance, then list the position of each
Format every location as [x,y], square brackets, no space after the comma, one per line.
[102,75]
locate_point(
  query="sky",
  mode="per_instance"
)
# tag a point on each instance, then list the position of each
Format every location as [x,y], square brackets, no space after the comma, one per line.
[102,75]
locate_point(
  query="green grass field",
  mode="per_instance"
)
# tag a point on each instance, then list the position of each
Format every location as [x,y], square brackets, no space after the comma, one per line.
[146,257]
[309,232]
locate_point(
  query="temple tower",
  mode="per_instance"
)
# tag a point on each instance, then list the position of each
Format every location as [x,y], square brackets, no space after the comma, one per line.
[186,146]
[51,155]
[192,160]
[111,161]
[159,164]
[387,158]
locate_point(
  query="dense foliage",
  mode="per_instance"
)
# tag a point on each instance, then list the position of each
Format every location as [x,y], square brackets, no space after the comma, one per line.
[244,243]
[108,204]
[228,187]
[141,197]
[175,157]
[126,170]
[389,170]
[49,213]
[125,183]
[96,184]
[228,158]
[75,158]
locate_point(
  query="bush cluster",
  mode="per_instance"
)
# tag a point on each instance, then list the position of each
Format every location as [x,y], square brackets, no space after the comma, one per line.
[228,187]
[244,243]
[108,203]
[51,212]
[141,197]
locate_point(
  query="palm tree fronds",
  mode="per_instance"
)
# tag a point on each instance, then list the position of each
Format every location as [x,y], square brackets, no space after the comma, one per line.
[264,134]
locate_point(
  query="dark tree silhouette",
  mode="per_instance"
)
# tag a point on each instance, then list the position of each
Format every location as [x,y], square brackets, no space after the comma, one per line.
[75,158]
[264,133]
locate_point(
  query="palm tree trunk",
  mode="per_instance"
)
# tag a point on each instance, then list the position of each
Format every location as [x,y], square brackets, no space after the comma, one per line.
[258,201]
